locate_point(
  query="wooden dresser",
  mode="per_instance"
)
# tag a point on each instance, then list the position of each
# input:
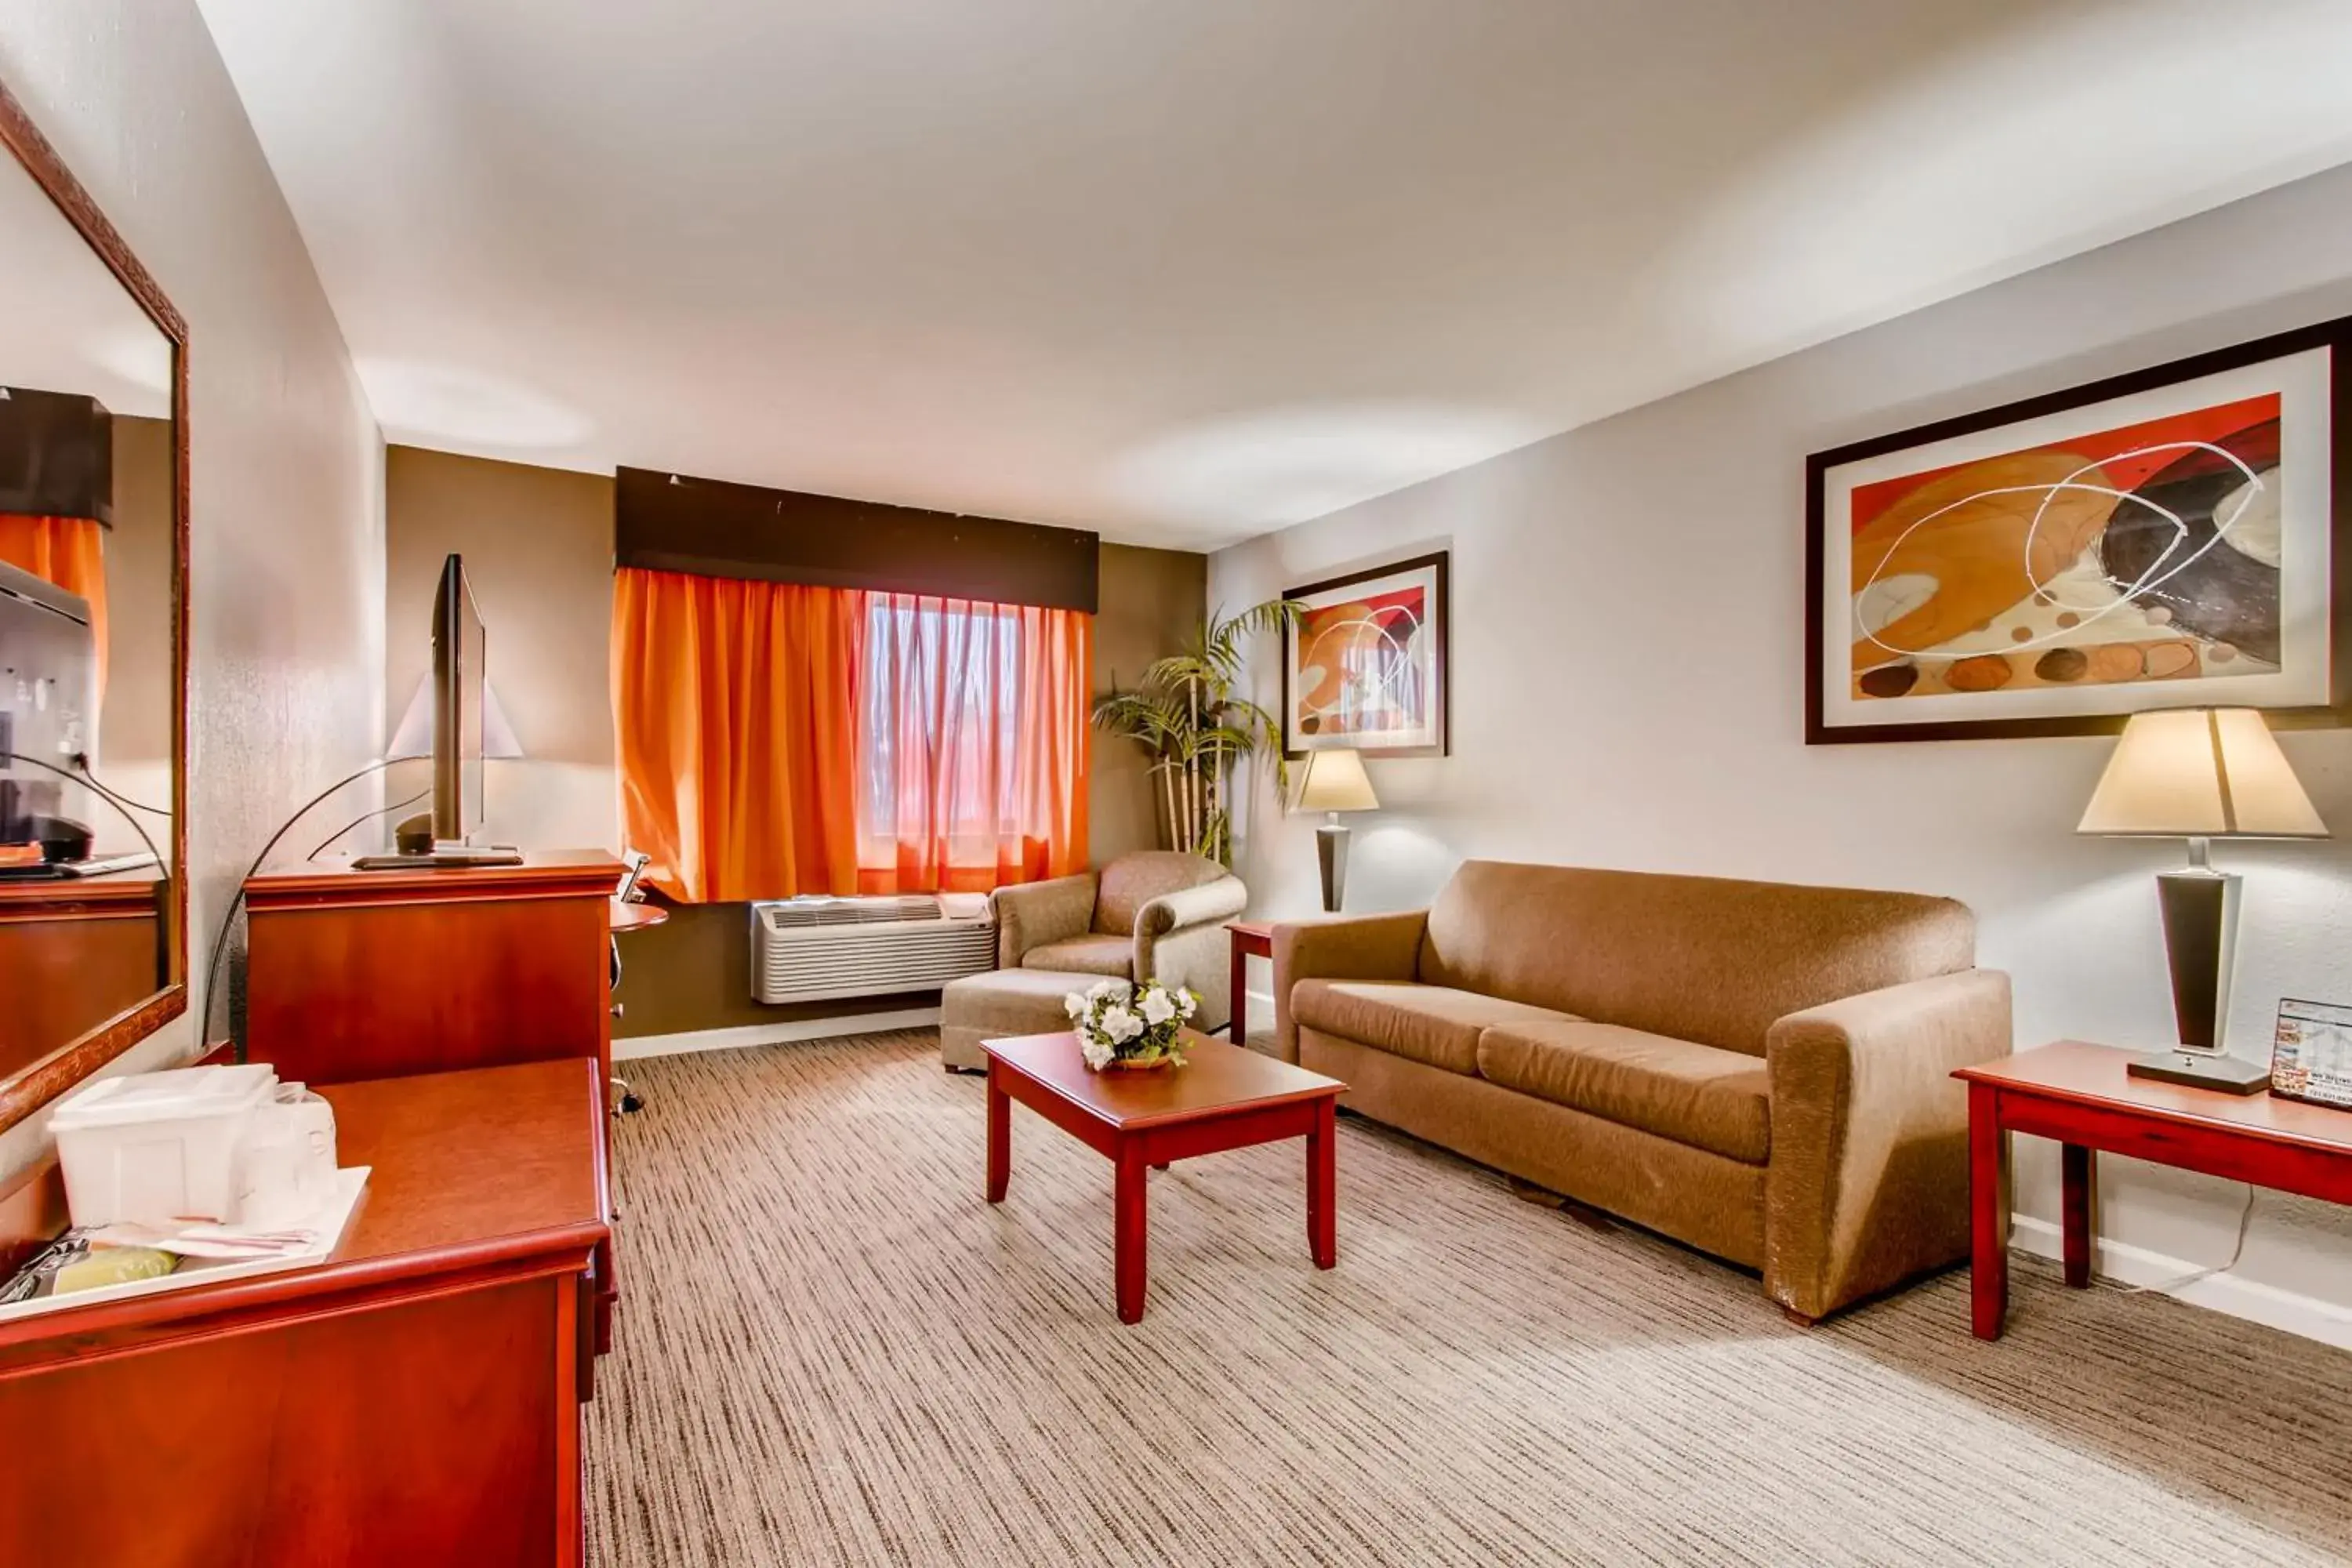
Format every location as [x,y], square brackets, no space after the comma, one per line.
[73,954]
[358,974]
[415,1399]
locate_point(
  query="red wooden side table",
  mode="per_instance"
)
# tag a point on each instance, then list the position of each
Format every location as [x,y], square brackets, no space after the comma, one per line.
[2080,1095]
[1251,939]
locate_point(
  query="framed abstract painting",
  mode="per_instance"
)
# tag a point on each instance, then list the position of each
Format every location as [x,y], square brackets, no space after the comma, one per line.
[2172,538]
[1364,665]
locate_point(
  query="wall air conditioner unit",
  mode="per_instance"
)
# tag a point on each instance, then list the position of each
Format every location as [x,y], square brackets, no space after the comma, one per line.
[815,950]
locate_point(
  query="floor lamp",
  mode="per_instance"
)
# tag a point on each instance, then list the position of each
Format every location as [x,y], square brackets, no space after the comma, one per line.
[2200,774]
[1334,783]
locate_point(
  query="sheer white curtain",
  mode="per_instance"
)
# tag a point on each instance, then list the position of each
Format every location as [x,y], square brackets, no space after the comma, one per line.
[971,743]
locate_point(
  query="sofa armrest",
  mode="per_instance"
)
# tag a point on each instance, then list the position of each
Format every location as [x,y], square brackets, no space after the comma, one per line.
[1868,1183]
[1366,947]
[1031,914]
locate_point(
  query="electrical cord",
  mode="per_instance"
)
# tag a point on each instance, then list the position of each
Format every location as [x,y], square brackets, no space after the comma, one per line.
[76,778]
[81,766]
[380,811]
[220,937]
[2166,1287]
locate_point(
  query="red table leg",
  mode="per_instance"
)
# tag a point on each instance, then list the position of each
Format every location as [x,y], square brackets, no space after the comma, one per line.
[1240,1029]
[999,1135]
[2079,1211]
[1987,1212]
[1322,1185]
[1127,1233]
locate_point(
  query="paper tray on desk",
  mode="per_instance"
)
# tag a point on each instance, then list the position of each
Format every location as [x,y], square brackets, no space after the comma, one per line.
[332,1222]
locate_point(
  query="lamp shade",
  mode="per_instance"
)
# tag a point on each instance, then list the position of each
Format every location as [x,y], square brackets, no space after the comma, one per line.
[2201,773]
[1335,780]
[414,738]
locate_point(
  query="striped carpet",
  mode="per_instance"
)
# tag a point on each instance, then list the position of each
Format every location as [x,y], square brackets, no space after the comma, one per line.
[832,1350]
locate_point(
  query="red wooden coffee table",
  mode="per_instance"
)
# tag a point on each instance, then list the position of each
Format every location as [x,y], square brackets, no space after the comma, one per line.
[1225,1097]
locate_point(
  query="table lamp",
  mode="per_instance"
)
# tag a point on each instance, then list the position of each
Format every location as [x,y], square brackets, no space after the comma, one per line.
[413,736]
[1334,783]
[2200,774]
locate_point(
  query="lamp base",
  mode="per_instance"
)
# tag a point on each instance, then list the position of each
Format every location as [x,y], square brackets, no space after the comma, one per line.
[1331,859]
[2203,1069]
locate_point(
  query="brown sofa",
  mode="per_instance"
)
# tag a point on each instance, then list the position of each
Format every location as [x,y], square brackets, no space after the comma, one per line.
[1759,1069]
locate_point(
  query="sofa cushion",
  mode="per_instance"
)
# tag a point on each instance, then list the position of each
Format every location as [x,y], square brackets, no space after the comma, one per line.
[1697,958]
[1700,1095]
[1110,955]
[1432,1024]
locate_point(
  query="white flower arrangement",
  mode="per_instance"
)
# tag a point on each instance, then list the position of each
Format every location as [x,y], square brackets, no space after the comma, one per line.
[1117,1024]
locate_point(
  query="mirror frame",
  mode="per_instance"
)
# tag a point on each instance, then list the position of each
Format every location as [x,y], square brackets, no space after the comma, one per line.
[27,1090]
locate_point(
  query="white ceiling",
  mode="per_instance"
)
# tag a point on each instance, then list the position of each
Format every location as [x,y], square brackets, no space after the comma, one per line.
[1187,270]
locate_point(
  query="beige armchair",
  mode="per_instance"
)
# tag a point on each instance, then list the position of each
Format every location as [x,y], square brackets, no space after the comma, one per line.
[1157,915]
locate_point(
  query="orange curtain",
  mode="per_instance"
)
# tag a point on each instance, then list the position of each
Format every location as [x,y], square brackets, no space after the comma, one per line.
[67,551]
[973,745]
[732,704]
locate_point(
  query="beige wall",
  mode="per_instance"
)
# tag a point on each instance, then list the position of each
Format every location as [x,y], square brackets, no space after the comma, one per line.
[1627,654]
[287,607]
[537,545]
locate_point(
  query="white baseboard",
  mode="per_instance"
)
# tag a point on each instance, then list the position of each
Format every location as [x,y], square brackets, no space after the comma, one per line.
[2256,1303]
[631,1049]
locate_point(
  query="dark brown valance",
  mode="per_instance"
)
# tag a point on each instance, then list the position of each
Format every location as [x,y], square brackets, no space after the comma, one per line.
[56,455]
[673,522]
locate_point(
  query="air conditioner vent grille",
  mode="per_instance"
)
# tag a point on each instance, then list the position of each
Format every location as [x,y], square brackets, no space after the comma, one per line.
[810,950]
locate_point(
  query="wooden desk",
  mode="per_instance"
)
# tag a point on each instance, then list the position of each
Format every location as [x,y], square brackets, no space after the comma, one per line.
[359,974]
[414,1399]
[2080,1095]
[1251,938]
[637,917]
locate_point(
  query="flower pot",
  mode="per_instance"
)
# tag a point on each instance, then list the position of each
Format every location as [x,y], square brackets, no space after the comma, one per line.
[1134,1064]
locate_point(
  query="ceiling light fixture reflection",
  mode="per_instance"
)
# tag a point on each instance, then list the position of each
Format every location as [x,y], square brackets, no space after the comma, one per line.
[1268,470]
[438,403]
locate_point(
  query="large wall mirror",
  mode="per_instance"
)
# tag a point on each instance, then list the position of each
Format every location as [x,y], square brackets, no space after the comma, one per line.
[93,636]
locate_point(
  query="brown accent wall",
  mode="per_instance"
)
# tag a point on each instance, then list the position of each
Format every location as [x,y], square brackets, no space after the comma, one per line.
[1152,600]
[538,544]
[135,722]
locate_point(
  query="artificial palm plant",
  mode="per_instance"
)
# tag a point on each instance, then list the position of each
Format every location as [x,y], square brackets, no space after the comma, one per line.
[1187,714]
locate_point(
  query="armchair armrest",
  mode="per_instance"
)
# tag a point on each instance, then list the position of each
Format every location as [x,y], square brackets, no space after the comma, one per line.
[1366,947]
[1211,903]
[1868,1182]
[1031,914]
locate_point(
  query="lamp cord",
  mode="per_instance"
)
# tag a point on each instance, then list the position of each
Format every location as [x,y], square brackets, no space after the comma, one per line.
[82,766]
[379,811]
[2166,1287]
[220,938]
[71,777]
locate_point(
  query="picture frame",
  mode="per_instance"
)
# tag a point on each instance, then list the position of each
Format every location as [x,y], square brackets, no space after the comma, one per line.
[1366,665]
[2170,537]
[2311,1053]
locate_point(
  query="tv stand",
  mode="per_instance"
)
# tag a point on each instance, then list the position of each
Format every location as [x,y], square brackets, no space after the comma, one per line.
[458,855]
[359,974]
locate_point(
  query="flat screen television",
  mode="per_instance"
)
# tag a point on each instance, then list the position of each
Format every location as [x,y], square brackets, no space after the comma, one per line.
[447,836]
[459,652]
